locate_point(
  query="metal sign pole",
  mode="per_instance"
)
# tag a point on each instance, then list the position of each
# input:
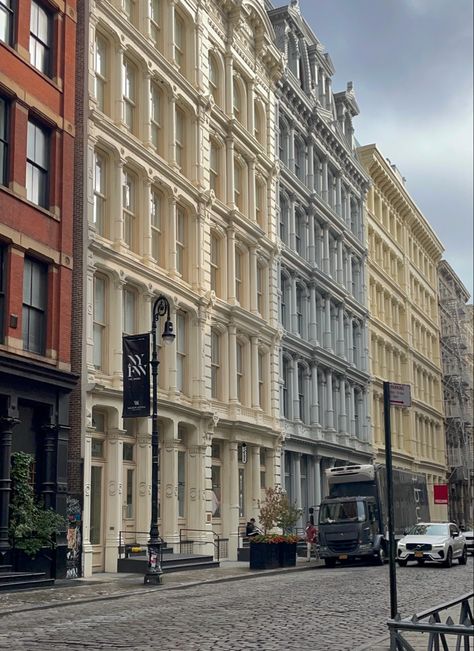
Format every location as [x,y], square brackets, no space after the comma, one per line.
[391,537]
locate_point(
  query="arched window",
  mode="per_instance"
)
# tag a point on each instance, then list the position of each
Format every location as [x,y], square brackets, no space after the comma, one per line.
[156,117]
[216,382]
[130,310]
[238,185]
[214,78]
[179,41]
[284,217]
[300,159]
[156,218]
[129,94]
[260,123]
[237,97]
[100,209]
[285,301]
[101,72]
[100,317]
[180,138]
[283,142]
[300,233]
[285,387]
[215,264]
[182,236]
[129,208]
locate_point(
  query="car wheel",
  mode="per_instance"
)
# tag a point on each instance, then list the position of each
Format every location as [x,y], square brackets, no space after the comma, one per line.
[402,563]
[449,558]
[463,558]
[421,561]
[330,562]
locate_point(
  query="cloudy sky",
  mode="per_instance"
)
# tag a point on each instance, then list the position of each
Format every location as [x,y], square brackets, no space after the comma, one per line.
[411,64]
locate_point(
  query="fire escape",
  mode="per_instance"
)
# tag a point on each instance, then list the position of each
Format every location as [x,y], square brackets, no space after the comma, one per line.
[457,388]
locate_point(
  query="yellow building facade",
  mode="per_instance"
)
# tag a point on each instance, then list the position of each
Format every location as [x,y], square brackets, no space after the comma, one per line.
[404,334]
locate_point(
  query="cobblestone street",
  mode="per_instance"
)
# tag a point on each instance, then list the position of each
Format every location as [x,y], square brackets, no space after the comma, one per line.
[319,609]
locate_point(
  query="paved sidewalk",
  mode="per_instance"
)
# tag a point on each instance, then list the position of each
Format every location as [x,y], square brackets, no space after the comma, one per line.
[106,586]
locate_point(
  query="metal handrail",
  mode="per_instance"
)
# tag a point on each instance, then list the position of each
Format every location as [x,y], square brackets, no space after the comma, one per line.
[216,542]
[123,543]
[437,629]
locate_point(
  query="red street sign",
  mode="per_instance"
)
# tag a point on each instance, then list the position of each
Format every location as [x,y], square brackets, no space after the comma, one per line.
[440,493]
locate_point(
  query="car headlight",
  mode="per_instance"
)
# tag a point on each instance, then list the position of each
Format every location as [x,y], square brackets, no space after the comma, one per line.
[401,545]
[438,546]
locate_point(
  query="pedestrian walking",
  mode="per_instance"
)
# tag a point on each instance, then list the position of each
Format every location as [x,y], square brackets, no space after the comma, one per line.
[311,540]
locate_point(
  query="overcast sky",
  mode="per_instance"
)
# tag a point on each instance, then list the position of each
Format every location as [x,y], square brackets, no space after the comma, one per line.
[411,64]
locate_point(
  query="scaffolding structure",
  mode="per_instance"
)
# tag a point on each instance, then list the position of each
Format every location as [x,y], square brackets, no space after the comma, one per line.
[456,356]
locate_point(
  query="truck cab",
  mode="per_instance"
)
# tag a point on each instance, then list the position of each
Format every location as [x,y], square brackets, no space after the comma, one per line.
[350,519]
[349,528]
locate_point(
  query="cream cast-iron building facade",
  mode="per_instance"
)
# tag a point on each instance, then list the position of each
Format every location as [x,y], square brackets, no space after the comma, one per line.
[404,253]
[180,201]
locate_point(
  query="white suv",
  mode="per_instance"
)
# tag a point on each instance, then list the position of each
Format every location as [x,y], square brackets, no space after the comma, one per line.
[432,541]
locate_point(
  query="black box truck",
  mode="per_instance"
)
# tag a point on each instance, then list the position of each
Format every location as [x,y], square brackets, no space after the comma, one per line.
[353,518]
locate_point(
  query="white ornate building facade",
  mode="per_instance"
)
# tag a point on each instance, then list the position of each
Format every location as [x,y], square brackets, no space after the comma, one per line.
[404,254]
[324,357]
[181,201]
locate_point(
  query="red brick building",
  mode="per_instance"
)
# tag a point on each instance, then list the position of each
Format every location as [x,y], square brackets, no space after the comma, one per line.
[37,98]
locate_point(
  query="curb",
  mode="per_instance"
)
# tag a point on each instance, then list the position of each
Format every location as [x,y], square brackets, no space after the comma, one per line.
[141,591]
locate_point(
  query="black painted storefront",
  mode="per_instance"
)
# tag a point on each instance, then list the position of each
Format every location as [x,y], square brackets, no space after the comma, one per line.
[34,418]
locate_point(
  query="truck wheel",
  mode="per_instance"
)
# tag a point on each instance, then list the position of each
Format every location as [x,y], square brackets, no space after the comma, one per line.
[330,562]
[463,558]
[449,558]
[402,563]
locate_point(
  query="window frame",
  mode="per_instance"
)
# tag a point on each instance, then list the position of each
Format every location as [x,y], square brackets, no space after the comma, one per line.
[156,120]
[101,70]
[100,326]
[129,94]
[9,12]
[179,47]
[156,225]
[3,288]
[181,351]
[181,240]
[180,138]
[215,363]
[33,165]
[100,194]
[40,308]
[36,39]
[129,293]
[4,141]
[214,262]
[129,209]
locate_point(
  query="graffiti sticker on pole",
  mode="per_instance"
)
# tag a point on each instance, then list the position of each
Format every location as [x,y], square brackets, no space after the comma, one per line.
[400,395]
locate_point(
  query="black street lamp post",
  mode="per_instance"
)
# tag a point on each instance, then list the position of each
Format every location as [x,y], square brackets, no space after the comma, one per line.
[154,572]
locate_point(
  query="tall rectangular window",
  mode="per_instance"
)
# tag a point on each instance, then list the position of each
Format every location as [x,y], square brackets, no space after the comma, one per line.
[129,94]
[181,241]
[155,116]
[40,38]
[214,263]
[180,351]
[129,493]
[3,139]
[96,505]
[238,276]
[3,287]
[260,295]
[286,380]
[180,137]
[99,193]
[215,363]
[37,165]
[130,10]
[129,311]
[214,167]
[240,371]
[100,323]
[129,210]
[35,302]
[6,21]
[179,36]
[261,373]
[100,70]
[216,491]
[156,225]
[155,21]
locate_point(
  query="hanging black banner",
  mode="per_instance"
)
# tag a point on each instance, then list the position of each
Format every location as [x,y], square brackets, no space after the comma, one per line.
[136,375]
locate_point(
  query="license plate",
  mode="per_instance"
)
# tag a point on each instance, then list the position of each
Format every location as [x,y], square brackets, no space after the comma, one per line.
[343,557]
[418,554]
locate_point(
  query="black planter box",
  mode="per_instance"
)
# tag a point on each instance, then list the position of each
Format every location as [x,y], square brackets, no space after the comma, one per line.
[264,556]
[287,554]
[44,561]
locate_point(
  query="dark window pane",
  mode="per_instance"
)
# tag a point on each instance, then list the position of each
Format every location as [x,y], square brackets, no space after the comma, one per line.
[35,279]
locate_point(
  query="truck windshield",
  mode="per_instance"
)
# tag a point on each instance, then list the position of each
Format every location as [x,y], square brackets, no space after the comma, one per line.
[351,511]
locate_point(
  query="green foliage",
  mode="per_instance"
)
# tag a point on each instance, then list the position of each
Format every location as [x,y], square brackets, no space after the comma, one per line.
[277,511]
[31,525]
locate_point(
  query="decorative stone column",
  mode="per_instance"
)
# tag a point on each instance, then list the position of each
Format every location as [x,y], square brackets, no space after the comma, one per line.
[327,323]
[232,330]
[196,498]
[169,485]
[324,192]
[113,497]
[329,401]
[143,469]
[326,260]
[230,511]
[340,331]
[317,480]
[254,371]
[231,265]
[314,412]
[296,481]
[342,406]
[255,470]
[313,335]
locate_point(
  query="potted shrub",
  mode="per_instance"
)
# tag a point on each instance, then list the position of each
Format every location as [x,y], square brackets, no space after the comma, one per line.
[32,527]
[272,549]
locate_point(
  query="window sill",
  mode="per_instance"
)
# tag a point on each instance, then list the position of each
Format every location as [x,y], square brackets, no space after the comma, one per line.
[19,197]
